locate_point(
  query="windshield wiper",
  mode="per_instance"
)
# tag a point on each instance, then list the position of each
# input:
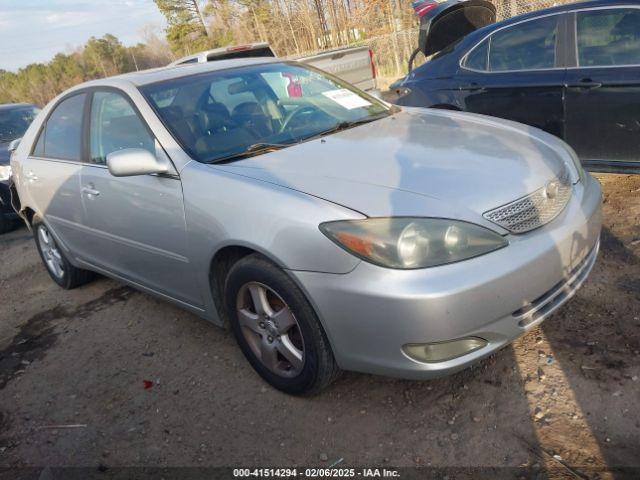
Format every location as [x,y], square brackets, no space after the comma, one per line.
[338,127]
[263,147]
[255,149]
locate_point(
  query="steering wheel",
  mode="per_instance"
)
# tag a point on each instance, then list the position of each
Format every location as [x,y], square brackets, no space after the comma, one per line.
[294,113]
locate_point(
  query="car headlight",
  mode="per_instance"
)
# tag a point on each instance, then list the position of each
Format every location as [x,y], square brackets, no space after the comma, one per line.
[5,172]
[410,243]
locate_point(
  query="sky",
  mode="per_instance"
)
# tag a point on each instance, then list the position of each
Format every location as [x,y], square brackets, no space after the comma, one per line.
[35,30]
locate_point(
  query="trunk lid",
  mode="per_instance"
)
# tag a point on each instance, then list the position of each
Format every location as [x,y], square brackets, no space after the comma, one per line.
[444,22]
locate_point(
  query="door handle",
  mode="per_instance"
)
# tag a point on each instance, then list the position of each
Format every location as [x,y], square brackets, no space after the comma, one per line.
[90,191]
[584,84]
[472,87]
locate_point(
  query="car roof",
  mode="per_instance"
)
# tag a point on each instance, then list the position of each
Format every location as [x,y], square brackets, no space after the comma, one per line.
[216,51]
[11,106]
[472,38]
[145,77]
[557,9]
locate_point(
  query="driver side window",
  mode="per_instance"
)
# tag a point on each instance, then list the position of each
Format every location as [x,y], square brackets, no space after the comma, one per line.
[115,125]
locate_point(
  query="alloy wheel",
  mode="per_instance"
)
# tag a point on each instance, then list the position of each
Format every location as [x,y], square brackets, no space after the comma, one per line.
[50,253]
[271,329]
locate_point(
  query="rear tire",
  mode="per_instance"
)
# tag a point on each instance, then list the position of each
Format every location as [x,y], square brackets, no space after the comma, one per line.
[285,326]
[58,266]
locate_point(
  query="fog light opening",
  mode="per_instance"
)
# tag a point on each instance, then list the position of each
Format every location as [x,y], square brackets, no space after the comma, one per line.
[443,351]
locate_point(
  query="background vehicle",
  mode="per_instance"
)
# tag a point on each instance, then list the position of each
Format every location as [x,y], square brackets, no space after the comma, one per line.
[15,118]
[354,64]
[328,229]
[573,71]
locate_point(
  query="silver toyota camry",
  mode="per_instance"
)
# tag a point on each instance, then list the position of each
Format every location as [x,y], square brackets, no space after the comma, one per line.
[327,229]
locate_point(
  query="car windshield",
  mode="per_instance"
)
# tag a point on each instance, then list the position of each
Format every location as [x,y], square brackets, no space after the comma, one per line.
[15,121]
[231,113]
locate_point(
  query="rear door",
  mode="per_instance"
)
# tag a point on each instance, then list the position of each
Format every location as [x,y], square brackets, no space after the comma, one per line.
[603,88]
[518,73]
[52,172]
[135,225]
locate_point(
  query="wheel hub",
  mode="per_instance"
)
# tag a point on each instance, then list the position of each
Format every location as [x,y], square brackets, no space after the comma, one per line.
[50,253]
[271,329]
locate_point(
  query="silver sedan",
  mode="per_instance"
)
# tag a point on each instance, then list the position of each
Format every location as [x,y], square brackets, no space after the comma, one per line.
[327,229]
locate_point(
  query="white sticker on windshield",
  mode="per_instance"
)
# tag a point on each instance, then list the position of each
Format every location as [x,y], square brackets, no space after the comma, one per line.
[347,99]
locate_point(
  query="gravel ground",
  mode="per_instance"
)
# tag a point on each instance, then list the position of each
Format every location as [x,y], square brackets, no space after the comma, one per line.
[565,396]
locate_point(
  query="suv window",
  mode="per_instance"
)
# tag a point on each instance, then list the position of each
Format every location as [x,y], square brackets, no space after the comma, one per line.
[61,136]
[609,37]
[526,46]
[114,126]
[479,56]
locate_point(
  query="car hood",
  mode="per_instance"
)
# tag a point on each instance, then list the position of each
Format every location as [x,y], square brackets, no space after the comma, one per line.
[417,162]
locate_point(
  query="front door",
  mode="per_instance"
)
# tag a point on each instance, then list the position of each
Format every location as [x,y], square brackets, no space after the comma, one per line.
[603,90]
[136,223]
[518,73]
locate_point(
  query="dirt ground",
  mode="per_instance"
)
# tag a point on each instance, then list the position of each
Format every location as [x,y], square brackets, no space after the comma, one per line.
[73,367]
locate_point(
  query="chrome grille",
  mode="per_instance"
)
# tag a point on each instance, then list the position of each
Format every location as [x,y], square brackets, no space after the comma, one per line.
[536,209]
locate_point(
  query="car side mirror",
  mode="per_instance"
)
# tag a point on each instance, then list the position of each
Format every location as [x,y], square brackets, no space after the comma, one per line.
[130,162]
[13,146]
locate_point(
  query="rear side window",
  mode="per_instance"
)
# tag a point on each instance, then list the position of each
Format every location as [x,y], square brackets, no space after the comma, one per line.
[527,46]
[479,57]
[61,136]
[242,53]
[115,125]
[609,37]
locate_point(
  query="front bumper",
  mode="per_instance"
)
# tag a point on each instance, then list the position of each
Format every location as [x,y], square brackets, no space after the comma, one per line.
[6,210]
[371,312]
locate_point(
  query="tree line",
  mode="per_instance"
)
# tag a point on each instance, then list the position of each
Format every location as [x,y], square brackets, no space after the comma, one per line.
[99,57]
[292,27]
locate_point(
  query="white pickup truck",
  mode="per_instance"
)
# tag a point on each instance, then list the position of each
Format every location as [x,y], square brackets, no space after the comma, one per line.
[352,64]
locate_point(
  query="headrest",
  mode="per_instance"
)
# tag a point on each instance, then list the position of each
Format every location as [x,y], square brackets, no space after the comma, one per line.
[213,116]
[248,108]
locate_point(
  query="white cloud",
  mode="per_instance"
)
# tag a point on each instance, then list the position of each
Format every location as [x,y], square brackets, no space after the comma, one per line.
[69,18]
[64,24]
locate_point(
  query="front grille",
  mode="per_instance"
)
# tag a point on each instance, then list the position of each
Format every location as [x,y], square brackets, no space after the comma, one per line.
[536,209]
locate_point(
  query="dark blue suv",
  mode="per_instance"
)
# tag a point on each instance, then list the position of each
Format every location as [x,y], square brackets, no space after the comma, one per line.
[572,70]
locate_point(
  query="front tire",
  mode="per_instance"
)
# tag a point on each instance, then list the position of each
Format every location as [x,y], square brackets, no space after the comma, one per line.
[276,328]
[59,268]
